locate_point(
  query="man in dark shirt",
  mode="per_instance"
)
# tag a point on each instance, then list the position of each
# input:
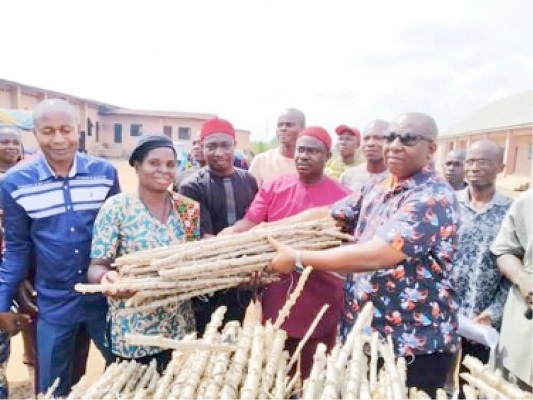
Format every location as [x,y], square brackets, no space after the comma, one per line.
[454,168]
[224,193]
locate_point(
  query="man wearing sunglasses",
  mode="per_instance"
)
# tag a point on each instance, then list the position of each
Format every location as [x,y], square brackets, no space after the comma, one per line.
[405,231]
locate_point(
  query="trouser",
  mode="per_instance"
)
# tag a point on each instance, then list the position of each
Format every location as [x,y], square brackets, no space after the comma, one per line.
[236,300]
[79,364]
[56,351]
[162,359]
[473,349]
[428,372]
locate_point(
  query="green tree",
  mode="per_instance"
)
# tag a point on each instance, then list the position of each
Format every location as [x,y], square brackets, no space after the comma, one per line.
[260,146]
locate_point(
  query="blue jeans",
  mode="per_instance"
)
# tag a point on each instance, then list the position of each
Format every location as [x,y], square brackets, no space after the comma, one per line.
[55,351]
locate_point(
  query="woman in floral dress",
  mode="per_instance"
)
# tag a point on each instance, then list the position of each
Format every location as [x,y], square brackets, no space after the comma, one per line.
[152,217]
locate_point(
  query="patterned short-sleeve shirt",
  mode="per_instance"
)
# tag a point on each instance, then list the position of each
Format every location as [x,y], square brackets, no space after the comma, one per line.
[477,279]
[414,301]
[125,225]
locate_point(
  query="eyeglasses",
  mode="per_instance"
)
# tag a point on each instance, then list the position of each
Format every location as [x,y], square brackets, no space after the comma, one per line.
[406,139]
[481,162]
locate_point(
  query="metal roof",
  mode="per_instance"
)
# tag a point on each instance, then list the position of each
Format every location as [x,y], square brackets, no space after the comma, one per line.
[510,112]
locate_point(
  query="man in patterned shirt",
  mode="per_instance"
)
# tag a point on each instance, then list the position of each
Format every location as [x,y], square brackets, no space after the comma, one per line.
[481,290]
[405,228]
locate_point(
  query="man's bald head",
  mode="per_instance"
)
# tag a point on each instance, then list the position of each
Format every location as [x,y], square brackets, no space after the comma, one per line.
[294,114]
[53,105]
[419,123]
[456,154]
[454,168]
[290,122]
[488,147]
[483,163]
[376,127]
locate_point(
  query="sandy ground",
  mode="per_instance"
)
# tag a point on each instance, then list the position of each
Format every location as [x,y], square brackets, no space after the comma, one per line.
[20,376]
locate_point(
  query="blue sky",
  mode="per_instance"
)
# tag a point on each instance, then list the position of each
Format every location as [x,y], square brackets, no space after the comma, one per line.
[341,62]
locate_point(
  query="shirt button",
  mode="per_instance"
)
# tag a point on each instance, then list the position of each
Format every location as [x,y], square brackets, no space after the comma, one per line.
[65,187]
[80,271]
[72,229]
[76,251]
[69,207]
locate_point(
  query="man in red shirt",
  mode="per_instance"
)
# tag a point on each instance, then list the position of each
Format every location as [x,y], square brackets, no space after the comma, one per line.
[284,197]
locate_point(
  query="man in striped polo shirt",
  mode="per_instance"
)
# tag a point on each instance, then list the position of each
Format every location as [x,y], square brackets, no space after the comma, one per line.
[50,204]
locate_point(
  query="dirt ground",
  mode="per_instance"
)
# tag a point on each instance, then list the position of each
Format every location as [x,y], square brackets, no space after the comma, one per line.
[20,377]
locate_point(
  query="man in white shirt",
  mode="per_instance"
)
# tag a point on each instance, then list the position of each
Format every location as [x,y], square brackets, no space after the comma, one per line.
[374,167]
[280,161]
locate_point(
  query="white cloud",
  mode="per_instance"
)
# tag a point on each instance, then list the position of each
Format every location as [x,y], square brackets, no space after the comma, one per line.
[339,61]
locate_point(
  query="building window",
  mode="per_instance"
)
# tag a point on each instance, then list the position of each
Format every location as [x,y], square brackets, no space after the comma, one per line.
[167,130]
[136,129]
[97,131]
[89,127]
[530,152]
[184,133]
[117,129]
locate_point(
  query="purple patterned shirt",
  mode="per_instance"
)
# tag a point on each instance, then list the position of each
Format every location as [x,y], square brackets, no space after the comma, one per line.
[413,301]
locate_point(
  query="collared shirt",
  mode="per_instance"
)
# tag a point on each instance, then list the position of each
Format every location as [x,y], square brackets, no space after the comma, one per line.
[414,300]
[125,225]
[281,198]
[209,190]
[476,277]
[51,217]
[270,165]
[354,177]
[335,167]
[514,352]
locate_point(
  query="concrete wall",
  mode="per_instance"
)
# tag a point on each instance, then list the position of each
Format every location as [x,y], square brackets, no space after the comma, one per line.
[17,96]
[516,143]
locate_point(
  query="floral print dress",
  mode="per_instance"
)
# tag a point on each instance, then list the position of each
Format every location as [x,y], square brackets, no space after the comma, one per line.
[125,225]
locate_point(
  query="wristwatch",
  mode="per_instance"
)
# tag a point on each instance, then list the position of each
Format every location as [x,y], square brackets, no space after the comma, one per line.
[298,266]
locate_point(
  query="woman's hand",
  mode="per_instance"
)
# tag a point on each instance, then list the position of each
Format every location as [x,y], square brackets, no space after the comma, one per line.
[283,261]
[111,277]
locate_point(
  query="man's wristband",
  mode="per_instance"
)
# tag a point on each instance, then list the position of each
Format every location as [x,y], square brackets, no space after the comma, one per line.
[298,266]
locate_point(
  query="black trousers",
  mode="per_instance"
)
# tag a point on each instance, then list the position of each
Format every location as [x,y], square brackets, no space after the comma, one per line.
[427,372]
[473,349]
[162,359]
[235,299]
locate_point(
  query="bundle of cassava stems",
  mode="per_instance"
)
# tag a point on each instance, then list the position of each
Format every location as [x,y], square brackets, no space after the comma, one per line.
[248,361]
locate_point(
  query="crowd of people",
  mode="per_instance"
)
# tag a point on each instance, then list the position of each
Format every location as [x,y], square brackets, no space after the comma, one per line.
[428,246]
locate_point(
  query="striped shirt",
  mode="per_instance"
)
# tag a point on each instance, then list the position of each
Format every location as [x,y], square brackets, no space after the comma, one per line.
[50,218]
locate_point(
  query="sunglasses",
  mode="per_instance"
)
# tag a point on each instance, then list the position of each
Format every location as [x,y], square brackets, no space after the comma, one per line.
[406,139]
